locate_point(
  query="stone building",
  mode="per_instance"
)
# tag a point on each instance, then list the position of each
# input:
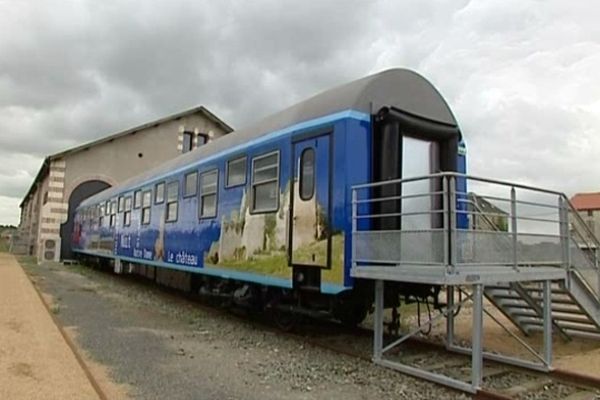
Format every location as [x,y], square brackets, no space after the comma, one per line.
[67,178]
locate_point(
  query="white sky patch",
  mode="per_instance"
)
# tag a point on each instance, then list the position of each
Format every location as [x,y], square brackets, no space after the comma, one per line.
[8,205]
[520,75]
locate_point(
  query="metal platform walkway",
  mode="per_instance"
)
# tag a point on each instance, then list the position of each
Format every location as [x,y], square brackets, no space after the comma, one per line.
[525,249]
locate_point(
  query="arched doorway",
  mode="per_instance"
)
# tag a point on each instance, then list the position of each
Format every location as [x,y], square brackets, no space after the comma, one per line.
[80,193]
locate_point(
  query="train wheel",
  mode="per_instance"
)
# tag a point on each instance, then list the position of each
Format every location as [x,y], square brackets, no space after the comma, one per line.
[279,310]
[349,310]
[285,320]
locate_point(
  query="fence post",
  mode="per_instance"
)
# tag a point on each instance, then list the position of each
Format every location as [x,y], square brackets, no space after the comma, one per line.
[452,227]
[446,220]
[564,237]
[513,226]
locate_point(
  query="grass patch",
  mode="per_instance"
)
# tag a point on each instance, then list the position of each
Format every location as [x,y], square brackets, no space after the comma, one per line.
[55,309]
[27,261]
[80,269]
[4,245]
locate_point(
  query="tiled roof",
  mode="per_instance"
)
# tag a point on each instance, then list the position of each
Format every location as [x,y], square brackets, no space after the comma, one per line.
[586,201]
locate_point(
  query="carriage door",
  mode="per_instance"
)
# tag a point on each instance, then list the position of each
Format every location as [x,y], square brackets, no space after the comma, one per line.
[310,242]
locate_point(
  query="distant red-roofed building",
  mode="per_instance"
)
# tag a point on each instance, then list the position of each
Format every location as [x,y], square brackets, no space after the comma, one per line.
[588,205]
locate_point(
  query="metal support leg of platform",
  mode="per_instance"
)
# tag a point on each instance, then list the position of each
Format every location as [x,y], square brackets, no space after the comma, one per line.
[378,328]
[450,317]
[545,357]
[477,349]
[547,310]
[379,350]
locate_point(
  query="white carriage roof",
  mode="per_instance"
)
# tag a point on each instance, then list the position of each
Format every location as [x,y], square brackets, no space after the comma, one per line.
[403,89]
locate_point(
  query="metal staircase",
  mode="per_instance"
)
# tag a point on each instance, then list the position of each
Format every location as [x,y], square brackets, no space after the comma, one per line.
[575,301]
[521,303]
[526,249]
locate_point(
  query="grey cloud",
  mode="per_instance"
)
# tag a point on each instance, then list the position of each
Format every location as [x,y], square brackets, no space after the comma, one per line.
[519,75]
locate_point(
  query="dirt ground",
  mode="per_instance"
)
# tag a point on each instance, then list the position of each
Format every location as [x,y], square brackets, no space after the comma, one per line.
[579,354]
[35,361]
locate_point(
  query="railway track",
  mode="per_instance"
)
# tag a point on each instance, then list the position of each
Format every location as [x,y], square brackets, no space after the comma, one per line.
[500,381]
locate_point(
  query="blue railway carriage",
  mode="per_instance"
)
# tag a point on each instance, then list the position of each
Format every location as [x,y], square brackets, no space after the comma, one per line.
[264,214]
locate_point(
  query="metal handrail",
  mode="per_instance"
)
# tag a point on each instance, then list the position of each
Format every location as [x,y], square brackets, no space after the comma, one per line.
[580,228]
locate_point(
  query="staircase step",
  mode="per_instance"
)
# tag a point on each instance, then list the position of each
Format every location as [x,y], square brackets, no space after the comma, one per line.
[559,301]
[580,318]
[524,314]
[512,296]
[570,318]
[569,310]
[568,326]
[554,290]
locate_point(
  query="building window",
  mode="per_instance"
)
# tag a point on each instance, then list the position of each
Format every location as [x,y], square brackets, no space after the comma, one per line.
[159,193]
[188,142]
[172,201]
[113,213]
[127,211]
[107,208]
[590,213]
[202,139]
[265,183]
[236,172]
[191,184]
[137,199]
[207,207]
[146,204]
[45,200]
[307,174]
[121,204]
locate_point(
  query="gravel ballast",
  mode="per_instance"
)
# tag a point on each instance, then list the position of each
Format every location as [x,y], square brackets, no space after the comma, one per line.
[161,345]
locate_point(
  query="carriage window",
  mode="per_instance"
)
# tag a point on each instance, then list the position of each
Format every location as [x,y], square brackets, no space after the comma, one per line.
[121,203]
[307,174]
[236,172]
[191,184]
[146,204]
[159,193]
[172,201]
[137,199]
[265,183]
[113,213]
[127,211]
[101,215]
[94,217]
[207,207]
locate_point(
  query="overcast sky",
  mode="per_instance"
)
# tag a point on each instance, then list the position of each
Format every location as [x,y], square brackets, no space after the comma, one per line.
[522,77]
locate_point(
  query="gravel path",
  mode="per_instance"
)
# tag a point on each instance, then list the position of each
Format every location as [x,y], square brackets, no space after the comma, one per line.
[35,360]
[162,346]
